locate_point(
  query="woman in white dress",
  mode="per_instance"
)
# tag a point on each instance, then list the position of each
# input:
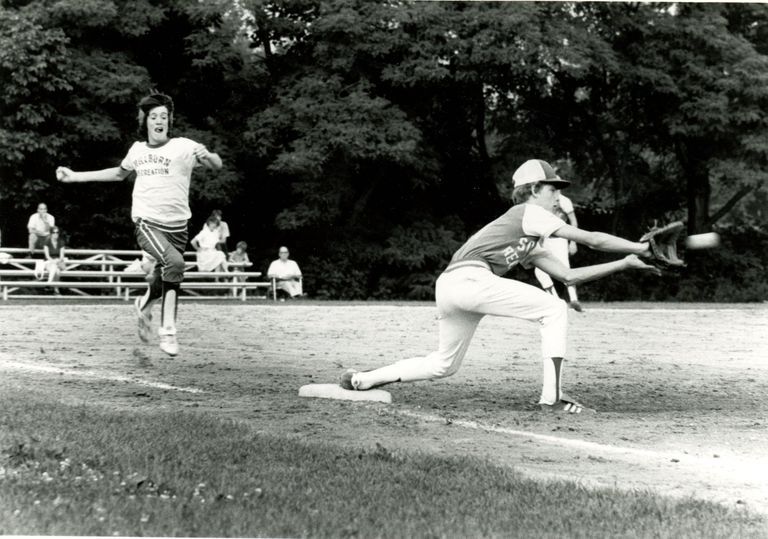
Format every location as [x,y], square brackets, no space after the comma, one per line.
[208,257]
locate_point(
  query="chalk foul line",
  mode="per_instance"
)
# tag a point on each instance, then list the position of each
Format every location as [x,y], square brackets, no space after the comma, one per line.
[29,367]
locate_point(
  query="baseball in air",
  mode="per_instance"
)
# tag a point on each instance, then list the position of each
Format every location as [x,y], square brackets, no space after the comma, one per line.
[709,240]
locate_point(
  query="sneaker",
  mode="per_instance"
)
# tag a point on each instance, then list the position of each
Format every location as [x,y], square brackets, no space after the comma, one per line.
[346,380]
[566,405]
[168,342]
[144,322]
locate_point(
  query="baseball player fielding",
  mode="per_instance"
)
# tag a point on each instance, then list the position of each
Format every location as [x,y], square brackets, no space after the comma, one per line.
[709,240]
[334,391]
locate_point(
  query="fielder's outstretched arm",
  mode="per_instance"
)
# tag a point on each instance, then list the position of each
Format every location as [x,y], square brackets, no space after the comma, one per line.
[600,241]
[114,174]
[576,276]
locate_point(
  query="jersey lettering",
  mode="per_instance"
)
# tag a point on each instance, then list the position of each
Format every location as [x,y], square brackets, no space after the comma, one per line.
[513,254]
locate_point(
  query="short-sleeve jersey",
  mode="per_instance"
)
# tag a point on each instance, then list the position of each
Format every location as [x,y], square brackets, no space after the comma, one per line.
[163,175]
[514,238]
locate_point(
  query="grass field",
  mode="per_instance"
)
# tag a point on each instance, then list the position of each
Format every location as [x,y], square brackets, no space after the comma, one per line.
[100,435]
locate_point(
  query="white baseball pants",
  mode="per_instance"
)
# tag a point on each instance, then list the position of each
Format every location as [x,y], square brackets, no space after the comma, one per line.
[465,293]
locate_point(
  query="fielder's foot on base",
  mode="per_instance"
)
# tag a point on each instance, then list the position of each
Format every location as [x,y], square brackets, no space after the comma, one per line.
[346,380]
[566,405]
[168,342]
[144,322]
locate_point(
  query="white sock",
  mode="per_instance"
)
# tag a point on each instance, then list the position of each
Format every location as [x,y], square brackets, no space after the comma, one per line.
[550,386]
[169,310]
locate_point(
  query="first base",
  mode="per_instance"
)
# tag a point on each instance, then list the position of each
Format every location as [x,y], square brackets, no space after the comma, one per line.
[335,391]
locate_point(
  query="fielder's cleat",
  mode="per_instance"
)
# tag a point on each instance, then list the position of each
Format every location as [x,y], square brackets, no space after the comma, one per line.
[144,322]
[168,342]
[566,405]
[346,379]
[576,306]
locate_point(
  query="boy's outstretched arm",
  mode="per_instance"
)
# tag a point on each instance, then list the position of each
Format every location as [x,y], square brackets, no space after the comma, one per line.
[114,174]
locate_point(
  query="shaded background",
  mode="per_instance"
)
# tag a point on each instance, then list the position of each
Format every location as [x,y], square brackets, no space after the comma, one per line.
[373,137]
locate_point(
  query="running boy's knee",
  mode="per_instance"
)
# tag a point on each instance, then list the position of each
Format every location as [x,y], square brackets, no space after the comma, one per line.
[174,268]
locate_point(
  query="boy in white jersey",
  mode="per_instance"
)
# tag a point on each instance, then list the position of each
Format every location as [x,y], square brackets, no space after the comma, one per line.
[562,249]
[160,209]
[472,287]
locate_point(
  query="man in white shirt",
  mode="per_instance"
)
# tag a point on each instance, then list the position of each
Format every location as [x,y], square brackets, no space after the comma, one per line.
[562,249]
[286,274]
[39,226]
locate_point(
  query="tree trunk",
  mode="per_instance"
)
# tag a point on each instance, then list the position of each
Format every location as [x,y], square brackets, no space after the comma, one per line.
[698,202]
[698,190]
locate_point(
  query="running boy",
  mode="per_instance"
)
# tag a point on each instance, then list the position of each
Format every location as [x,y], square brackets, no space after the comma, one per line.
[160,209]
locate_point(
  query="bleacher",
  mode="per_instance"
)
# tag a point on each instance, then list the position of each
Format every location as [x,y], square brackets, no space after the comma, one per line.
[111,274]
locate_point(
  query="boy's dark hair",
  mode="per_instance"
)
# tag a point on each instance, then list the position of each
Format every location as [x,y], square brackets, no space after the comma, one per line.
[522,193]
[150,102]
[241,245]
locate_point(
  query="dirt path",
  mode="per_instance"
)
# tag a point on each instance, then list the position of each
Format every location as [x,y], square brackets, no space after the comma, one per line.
[680,389]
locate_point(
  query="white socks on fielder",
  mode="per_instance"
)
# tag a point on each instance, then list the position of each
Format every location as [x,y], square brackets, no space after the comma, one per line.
[550,386]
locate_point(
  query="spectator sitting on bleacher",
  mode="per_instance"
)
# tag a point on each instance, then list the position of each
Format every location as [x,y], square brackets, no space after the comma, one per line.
[239,255]
[39,225]
[286,273]
[54,256]
[208,257]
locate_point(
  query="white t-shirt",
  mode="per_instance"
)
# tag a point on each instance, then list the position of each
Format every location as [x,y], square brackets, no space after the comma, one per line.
[41,225]
[281,269]
[163,175]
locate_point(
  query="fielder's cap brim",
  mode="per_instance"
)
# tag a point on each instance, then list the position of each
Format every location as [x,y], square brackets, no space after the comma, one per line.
[536,170]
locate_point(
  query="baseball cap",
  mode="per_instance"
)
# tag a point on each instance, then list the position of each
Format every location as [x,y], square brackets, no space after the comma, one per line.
[536,170]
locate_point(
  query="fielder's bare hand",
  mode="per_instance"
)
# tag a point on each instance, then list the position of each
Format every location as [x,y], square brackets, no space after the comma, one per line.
[634,262]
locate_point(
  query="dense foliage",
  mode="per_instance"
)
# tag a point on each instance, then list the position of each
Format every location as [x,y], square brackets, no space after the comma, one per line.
[374,137]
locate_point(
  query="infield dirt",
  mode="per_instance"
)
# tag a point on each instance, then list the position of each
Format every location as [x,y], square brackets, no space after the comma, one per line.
[680,389]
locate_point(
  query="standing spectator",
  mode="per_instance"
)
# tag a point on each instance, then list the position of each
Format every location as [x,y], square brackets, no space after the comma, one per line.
[160,210]
[208,257]
[54,256]
[39,226]
[562,249]
[223,229]
[286,274]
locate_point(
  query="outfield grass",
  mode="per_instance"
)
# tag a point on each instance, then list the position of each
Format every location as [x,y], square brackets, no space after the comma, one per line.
[83,470]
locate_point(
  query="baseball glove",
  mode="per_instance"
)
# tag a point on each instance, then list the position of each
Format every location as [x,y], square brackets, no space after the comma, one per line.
[663,243]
